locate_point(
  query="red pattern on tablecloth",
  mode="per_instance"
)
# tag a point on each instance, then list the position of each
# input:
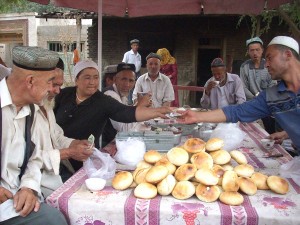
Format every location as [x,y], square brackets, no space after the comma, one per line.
[142,211]
[244,214]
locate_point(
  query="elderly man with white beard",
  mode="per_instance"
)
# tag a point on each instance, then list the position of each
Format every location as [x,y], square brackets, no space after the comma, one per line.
[50,137]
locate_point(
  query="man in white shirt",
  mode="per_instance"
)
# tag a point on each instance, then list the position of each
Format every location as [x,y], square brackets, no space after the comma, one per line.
[49,136]
[124,83]
[133,57]
[20,193]
[155,83]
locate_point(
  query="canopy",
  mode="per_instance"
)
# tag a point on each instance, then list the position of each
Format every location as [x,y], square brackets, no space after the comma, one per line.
[139,8]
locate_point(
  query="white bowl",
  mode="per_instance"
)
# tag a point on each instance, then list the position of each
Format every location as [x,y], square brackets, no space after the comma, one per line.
[267,143]
[95,184]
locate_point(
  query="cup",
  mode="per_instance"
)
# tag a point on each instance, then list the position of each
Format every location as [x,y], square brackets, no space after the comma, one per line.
[142,93]
[217,82]
[267,143]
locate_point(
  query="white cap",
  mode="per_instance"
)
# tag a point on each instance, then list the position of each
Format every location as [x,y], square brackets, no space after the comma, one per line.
[81,65]
[286,41]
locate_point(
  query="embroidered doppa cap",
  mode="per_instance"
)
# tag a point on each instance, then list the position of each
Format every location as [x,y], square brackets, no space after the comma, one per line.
[110,69]
[254,40]
[217,62]
[125,66]
[81,65]
[286,41]
[134,41]
[34,58]
[153,55]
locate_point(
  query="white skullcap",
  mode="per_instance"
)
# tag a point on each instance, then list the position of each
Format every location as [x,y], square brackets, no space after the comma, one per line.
[81,65]
[286,41]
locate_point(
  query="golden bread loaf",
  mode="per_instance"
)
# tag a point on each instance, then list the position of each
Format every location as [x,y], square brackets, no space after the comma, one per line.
[183,190]
[244,170]
[207,193]
[239,157]
[194,145]
[156,174]
[122,180]
[231,198]
[152,156]
[278,184]
[206,176]
[178,156]
[247,185]
[219,171]
[166,186]
[139,175]
[220,157]
[145,191]
[229,181]
[214,144]
[165,162]
[202,160]
[185,172]
[260,180]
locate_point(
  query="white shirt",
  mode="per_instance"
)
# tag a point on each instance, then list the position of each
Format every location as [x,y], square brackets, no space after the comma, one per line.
[49,136]
[161,89]
[123,127]
[12,152]
[136,59]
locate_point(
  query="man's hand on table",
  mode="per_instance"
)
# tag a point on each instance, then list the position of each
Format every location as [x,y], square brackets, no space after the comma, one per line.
[5,195]
[279,137]
[26,200]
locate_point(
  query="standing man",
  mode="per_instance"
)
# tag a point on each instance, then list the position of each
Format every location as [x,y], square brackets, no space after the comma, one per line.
[255,76]
[155,83]
[124,83]
[133,57]
[223,88]
[20,192]
[281,101]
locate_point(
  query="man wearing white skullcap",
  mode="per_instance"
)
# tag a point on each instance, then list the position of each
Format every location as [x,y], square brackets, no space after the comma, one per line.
[281,101]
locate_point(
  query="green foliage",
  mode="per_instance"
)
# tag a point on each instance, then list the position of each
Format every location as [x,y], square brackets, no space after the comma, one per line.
[19,6]
[267,16]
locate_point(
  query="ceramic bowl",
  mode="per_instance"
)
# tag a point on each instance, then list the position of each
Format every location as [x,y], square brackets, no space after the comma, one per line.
[267,143]
[95,184]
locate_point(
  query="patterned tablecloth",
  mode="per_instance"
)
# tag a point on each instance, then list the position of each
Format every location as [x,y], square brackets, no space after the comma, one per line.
[109,206]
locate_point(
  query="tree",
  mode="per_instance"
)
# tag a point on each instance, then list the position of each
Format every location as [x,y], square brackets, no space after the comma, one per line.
[288,13]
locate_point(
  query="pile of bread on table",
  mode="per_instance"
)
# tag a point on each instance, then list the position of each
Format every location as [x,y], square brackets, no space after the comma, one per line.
[201,168]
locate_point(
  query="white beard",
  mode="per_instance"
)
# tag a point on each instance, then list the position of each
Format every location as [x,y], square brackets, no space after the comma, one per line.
[48,105]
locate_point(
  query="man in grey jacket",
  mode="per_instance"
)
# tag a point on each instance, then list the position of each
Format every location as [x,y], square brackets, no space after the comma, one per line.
[255,76]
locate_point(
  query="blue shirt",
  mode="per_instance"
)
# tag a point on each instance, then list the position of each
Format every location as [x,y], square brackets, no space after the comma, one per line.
[275,101]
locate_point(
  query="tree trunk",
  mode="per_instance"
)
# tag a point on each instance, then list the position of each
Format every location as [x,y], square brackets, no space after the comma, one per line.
[295,30]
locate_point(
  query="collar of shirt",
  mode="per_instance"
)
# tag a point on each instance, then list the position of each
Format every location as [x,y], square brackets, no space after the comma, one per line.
[147,77]
[261,66]
[132,53]
[124,98]
[7,101]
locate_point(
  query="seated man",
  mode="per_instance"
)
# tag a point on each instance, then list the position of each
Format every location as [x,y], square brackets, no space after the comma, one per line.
[108,76]
[20,188]
[155,83]
[120,90]
[223,88]
[49,137]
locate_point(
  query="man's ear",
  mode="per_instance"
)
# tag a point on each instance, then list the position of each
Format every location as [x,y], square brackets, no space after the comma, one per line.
[29,81]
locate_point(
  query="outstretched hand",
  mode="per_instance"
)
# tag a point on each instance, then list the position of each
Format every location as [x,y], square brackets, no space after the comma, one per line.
[187,117]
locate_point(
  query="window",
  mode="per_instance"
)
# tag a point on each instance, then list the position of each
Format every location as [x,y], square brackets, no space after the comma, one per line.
[58,46]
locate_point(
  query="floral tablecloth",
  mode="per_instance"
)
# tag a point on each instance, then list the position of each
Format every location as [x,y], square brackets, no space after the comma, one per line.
[109,206]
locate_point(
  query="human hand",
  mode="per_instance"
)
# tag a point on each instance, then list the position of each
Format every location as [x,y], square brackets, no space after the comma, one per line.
[80,150]
[279,137]
[210,86]
[26,200]
[144,100]
[188,117]
[5,195]
[162,111]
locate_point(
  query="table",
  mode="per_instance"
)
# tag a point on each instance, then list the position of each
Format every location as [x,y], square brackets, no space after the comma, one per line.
[110,206]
